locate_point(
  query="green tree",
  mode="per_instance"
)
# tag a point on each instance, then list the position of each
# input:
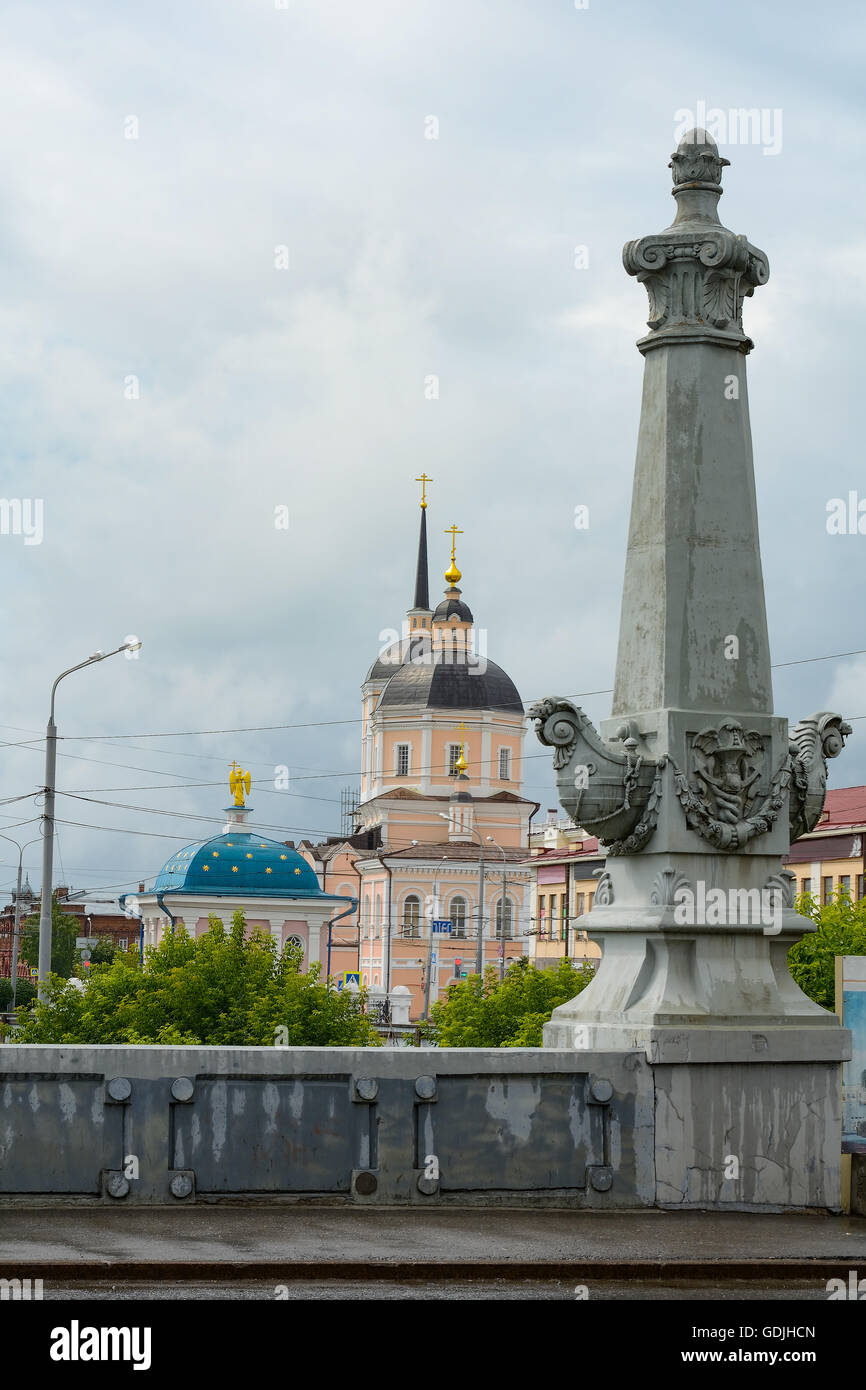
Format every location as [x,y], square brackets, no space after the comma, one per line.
[23,994]
[503,1013]
[64,929]
[220,988]
[841,931]
[103,952]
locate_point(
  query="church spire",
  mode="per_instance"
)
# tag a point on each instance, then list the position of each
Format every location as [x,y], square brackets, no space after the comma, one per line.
[420,613]
[422,589]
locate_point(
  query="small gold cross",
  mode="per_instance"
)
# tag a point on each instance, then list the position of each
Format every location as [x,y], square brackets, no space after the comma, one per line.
[423,480]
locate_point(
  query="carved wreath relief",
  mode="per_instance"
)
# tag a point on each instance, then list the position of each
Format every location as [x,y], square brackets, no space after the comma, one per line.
[727,764]
[721,799]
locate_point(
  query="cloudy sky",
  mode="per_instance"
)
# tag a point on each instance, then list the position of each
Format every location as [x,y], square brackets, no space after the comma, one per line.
[167,380]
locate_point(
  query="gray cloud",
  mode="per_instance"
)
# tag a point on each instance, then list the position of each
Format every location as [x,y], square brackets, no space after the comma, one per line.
[155,258]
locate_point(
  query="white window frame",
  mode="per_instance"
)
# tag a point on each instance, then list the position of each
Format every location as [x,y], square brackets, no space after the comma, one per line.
[510,916]
[459,927]
[411,928]
[505,756]
[454,754]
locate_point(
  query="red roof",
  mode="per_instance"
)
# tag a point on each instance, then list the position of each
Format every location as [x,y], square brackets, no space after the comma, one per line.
[844,806]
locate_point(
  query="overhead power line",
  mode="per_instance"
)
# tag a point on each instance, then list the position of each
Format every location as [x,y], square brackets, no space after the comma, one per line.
[326,723]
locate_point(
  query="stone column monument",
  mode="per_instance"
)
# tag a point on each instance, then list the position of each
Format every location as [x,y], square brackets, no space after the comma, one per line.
[694,785]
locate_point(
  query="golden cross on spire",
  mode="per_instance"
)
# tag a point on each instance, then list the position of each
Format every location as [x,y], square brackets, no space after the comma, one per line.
[452,574]
[423,480]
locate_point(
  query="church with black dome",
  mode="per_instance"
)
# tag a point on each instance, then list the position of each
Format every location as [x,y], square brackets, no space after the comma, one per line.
[441,827]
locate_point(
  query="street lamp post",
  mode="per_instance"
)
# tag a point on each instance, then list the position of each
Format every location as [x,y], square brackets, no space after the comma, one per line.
[479,956]
[132,645]
[491,841]
[429,969]
[386,944]
[16,929]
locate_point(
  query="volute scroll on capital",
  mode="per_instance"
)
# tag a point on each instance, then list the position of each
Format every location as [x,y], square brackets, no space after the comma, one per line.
[696,272]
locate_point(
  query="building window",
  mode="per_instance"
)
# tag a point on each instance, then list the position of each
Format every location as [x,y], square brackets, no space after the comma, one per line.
[411,915]
[845,884]
[504,919]
[827,890]
[453,755]
[589,898]
[402,769]
[806,886]
[580,902]
[505,764]
[458,916]
[123,943]
[861,886]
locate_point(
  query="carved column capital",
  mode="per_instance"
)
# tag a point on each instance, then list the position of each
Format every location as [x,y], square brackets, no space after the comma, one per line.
[696,272]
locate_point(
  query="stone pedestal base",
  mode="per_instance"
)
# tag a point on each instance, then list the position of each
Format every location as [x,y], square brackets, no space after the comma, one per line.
[748,1136]
[747,1110]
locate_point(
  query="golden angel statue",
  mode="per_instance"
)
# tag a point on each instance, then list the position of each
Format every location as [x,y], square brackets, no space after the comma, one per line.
[239,782]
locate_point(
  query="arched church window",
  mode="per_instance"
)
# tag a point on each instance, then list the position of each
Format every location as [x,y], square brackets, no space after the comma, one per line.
[457,914]
[296,942]
[504,919]
[411,915]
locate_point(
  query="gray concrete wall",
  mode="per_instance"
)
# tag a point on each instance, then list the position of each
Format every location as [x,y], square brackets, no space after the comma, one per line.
[746,1136]
[427,1126]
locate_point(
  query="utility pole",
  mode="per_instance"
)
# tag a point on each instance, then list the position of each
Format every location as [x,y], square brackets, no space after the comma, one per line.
[504,900]
[479,958]
[429,970]
[479,954]
[386,943]
[132,645]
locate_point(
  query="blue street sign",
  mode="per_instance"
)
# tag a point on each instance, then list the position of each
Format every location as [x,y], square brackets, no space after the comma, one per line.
[441,926]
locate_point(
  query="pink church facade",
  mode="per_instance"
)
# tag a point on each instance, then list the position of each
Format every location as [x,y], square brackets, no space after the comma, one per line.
[441,775]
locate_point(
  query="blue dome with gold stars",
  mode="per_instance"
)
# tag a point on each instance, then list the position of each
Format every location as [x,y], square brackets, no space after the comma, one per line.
[239,864]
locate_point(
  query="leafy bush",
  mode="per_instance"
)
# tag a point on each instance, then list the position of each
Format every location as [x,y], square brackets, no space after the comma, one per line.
[104,951]
[220,988]
[23,995]
[841,931]
[504,1013]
